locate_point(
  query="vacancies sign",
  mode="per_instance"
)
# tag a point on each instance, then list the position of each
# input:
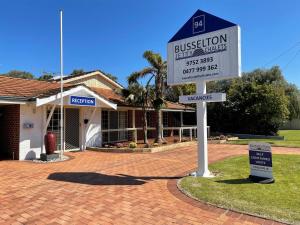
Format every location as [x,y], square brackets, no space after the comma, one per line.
[205,48]
[211,97]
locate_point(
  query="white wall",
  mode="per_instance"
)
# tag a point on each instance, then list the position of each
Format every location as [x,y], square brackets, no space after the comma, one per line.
[31,138]
[91,134]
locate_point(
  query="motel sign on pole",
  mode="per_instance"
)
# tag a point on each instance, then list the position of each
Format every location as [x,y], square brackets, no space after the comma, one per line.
[206,48]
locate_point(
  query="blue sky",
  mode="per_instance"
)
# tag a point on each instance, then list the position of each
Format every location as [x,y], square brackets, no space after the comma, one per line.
[112,35]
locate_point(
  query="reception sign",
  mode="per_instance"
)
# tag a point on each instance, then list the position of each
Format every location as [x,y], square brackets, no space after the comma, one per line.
[82,101]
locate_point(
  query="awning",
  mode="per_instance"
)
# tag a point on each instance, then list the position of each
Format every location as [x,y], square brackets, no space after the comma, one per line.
[80,91]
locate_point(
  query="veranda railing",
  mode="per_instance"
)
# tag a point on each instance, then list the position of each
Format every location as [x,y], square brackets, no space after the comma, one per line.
[122,134]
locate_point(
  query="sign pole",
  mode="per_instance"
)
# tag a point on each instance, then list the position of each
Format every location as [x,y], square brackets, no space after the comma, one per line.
[206,48]
[61,88]
[202,170]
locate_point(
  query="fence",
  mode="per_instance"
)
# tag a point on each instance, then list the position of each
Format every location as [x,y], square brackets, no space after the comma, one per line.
[291,125]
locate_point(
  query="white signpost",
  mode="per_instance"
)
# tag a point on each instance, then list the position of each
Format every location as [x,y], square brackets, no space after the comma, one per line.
[206,48]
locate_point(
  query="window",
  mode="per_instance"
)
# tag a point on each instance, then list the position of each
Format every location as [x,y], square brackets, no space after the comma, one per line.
[177,119]
[149,121]
[123,123]
[165,123]
[104,119]
[165,119]
[114,120]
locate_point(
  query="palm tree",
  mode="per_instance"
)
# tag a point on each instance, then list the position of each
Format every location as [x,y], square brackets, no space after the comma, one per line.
[138,95]
[157,69]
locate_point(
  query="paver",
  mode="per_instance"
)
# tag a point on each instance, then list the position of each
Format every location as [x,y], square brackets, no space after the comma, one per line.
[112,188]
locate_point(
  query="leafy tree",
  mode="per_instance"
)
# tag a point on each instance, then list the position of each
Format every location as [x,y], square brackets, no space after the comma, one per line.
[46,76]
[157,69]
[172,93]
[293,95]
[114,78]
[77,72]
[19,74]
[257,103]
[109,75]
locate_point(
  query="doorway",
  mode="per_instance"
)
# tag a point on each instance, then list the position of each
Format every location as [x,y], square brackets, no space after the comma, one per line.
[71,129]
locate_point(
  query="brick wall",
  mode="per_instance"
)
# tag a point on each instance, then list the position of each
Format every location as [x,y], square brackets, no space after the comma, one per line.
[9,131]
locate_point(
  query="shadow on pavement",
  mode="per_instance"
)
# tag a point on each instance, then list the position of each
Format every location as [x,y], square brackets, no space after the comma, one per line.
[93,178]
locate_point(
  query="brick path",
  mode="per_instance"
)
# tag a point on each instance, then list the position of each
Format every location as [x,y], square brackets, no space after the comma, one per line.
[111,188]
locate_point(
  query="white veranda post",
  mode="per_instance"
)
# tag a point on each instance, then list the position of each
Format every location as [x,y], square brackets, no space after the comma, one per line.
[202,133]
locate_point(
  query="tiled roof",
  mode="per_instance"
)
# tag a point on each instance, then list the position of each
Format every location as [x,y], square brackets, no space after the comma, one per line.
[26,89]
[18,87]
[110,95]
[120,100]
[177,106]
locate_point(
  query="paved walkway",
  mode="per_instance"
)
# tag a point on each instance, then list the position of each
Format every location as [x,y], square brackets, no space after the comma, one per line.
[111,188]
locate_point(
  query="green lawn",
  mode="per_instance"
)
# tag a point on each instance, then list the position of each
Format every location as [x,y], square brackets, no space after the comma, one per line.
[291,139]
[231,188]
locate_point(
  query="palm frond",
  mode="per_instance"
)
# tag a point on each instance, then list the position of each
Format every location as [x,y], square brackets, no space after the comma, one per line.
[140,74]
[153,58]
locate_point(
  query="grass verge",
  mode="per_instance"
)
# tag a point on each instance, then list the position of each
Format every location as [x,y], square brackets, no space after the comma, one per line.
[231,188]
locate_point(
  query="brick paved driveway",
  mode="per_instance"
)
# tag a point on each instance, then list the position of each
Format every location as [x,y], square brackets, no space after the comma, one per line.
[111,188]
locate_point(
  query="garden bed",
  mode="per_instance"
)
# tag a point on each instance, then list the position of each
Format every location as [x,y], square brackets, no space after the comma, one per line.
[152,149]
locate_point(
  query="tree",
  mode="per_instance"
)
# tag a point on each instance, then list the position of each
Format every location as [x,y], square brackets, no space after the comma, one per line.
[157,69]
[19,74]
[109,75]
[293,94]
[256,103]
[46,76]
[172,93]
[77,72]
[138,95]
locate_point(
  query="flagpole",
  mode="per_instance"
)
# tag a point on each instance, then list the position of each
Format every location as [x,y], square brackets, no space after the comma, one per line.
[61,87]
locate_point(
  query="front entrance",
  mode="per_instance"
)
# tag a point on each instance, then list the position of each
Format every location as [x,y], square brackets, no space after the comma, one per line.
[71,128]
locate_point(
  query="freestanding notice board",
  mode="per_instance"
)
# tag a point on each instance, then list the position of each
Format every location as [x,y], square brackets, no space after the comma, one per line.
[206,48]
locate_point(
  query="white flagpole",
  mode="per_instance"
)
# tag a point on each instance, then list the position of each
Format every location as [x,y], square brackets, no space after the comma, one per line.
[61,88]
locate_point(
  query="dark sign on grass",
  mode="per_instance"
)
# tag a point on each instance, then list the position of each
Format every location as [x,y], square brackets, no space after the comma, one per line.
[260,157]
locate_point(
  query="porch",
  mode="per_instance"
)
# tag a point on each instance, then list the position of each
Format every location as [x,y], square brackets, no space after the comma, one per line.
[127,125]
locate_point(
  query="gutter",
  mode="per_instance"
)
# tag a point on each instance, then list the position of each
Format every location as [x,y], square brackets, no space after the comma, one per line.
[13,100]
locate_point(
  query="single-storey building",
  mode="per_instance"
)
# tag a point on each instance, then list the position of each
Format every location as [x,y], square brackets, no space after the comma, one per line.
[95,113]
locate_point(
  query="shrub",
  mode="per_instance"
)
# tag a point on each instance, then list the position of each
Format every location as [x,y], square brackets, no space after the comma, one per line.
[222,137]
[132,145]
[119,145]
